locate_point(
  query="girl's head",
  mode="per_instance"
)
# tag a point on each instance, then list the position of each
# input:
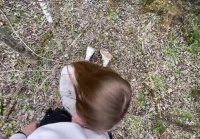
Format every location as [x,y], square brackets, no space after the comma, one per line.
[103,96]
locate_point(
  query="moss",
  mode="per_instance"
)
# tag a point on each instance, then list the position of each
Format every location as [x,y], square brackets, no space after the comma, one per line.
[155,6]
[167,10]
[194,40]
[195,94]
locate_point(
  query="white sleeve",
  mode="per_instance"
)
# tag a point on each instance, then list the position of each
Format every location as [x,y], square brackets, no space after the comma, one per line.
[65,130]
[62,130]
[66,89]
[18,136]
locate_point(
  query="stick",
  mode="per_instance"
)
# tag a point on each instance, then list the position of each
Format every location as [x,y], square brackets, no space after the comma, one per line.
[8,71]
[26,46]
[16,33]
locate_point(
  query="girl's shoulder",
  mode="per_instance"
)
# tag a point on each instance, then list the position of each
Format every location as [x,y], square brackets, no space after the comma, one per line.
[66,130]
[69,69]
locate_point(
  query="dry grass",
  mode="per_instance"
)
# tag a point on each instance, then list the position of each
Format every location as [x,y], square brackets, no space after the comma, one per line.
[161,70]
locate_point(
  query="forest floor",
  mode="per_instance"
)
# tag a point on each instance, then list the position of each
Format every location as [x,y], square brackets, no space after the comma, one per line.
[163,73]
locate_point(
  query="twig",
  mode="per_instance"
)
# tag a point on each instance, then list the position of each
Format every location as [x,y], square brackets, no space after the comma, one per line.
[1,105]
[188,128]
[16,33]
[79,35]
[8,71]
[44,81]
[2,64]
[73,43]
[21,38]
[75,40]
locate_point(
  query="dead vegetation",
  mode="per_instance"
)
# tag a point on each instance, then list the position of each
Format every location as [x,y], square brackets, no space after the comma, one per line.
[156,50]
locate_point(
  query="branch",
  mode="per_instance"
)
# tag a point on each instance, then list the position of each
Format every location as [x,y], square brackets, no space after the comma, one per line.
[8,71]
[10,41]
[29,51]
[16,33]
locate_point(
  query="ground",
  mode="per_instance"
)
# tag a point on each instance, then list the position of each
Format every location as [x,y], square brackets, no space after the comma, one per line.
[162,68]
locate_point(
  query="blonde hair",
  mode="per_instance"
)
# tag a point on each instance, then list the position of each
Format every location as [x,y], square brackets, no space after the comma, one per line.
[103,96]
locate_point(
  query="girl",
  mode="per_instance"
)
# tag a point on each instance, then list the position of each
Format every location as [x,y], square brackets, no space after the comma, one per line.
[96,97]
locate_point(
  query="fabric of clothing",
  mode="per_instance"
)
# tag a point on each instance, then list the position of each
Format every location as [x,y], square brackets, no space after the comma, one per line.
[55,116]
[18,136]
[66,88]
[54,125]
[62,130]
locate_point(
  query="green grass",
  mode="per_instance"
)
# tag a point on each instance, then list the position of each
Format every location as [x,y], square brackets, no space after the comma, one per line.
[46,38]
[194,40]
[15,19]
[134,123]
[141,100]
[10,128]
[187,116]
[172,52]
[184,116]
[194,48]
[26,108]
[34,78]
[195,34]
[158,127]
[112,16]
[56,94]
[159,82]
